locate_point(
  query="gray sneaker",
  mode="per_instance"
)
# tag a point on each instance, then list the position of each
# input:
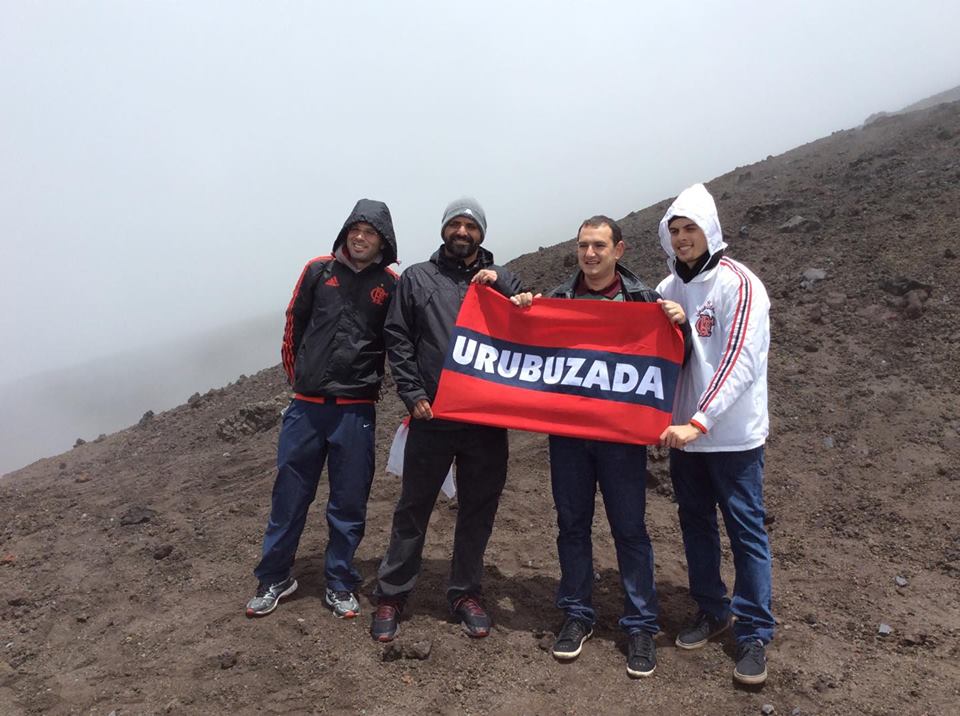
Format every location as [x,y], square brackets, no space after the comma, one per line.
[269,595]
[751,666]
[344,604]
[703,629]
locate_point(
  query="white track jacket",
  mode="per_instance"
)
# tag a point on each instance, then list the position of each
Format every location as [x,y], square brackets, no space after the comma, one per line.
[723,387]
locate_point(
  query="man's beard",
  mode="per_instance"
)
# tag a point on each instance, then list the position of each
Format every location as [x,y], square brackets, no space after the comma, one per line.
[460,249]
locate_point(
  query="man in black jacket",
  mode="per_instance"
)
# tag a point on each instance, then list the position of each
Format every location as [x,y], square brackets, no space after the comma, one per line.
[578,466]
[333,353]
[418,329]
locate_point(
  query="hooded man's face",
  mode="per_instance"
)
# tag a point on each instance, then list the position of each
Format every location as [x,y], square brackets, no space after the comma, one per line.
[363,243]
[461,238]
[687,239]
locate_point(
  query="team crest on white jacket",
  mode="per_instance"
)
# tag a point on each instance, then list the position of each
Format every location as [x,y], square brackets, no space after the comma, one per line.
[706,320]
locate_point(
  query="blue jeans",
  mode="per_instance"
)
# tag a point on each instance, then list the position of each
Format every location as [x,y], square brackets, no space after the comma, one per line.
[734,482]
[577,467]
[309,435]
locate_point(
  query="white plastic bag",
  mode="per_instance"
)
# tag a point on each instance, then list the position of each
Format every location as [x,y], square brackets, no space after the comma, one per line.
[395,459]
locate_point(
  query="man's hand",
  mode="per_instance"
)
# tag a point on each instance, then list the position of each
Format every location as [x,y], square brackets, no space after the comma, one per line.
[524,300]
[673,311]
[678,436]
[422,410]
[485,277]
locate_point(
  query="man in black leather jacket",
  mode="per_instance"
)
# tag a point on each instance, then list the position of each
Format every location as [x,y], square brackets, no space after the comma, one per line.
[418,329]
[578,466]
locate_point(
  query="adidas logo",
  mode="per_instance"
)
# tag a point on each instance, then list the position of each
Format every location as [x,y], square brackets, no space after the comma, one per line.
[332,282]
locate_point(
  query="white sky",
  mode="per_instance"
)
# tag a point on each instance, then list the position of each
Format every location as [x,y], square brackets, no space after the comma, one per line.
[168,167]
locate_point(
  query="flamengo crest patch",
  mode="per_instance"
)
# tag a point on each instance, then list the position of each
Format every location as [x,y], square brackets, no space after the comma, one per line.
[706,320]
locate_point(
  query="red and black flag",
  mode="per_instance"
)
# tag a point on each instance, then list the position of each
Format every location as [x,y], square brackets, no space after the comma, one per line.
[590,369]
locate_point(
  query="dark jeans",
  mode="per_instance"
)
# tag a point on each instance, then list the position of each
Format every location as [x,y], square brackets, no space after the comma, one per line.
[576,468]
[481,457]
[734,482]
[310,434]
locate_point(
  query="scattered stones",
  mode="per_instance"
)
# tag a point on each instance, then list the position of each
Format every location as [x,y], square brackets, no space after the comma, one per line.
[800,223]
[949,254]
[419,650]
[914,301]
[163,551]
[569,260]
[18,601]
[767,709]
[916,640]
[79,442]
[228,660]
[250,419]
[392,652]
[902,285]
[823,683]
[137,515]
[758,213]
[828,442]
[811,276]
[744,231]
[7,673]
[546,641]
[884,630]
[744,176]
[900,581]
[194,400]
[82,477]
[62,466]
[100,438]
[835,300]
[796,711]
[8,559]
[146,418]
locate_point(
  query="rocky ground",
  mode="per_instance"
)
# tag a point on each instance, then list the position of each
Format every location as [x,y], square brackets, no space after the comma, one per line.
[126,562]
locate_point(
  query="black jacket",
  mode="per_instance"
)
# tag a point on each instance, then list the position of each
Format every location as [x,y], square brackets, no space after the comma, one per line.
[333,342]
[422,317]
[634,289]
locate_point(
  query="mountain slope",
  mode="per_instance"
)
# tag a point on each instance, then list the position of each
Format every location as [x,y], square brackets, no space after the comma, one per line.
[126,562]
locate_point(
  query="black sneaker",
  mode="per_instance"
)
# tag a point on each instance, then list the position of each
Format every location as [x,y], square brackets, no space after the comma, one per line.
[269,595]
[471,614]
[703,629]
[570,639]
[386,620]
[751,663]
[641,655]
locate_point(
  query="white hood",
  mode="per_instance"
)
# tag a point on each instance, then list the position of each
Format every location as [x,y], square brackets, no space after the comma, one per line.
[694,203]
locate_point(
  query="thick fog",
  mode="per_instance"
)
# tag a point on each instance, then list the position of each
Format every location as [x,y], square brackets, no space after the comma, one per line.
[167,168]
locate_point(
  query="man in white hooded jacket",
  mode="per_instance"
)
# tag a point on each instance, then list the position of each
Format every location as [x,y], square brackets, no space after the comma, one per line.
[720,411]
